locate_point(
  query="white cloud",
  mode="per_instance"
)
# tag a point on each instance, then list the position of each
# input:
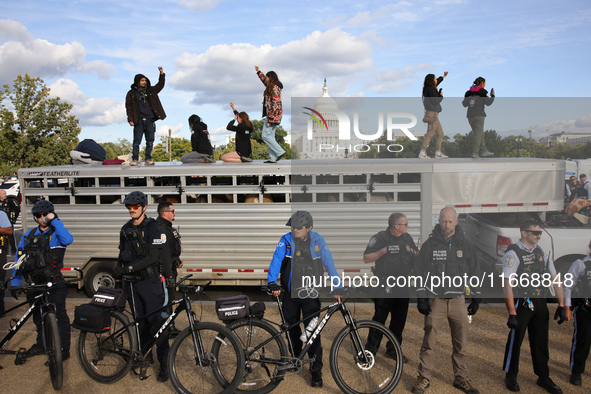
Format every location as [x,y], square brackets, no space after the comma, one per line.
[390,81]
[199,5]
[22,53]
[162,130]
[90,111]
[226,72]
[100,67]
[13,30]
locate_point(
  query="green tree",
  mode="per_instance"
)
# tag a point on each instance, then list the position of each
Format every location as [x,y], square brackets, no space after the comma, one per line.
[179,147]
[114,149]
[35,130]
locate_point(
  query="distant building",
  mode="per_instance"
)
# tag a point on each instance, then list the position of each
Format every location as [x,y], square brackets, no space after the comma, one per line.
[325,136]
[573,139]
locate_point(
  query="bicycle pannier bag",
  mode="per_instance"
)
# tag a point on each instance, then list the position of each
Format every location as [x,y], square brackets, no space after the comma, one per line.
[108,297]
[91,318]
[232,308]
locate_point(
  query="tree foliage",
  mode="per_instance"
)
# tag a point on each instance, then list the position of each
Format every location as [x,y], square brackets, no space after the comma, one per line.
[179,147]
[35,130]
[119,148]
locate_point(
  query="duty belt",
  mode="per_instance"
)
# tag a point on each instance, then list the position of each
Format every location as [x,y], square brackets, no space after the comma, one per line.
[147,273]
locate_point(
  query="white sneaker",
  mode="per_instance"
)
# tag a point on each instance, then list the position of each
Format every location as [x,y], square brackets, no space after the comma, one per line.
[134,163]
[423,156]
[441,156]
[149,162]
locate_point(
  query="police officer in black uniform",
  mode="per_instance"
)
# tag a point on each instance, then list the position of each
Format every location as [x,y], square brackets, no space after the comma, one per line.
[581,282]
[140,245]
[12,206]
[171,251]
[527,306]
[394,251]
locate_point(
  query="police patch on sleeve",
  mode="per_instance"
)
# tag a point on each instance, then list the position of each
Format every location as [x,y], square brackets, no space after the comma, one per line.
[316,248]
[160,241]
[508,262]
[372,242]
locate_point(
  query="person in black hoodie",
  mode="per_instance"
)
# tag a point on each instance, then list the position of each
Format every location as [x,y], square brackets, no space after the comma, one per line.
[243,132]
[202,150]
[144,108]
[432,103]
[475,99]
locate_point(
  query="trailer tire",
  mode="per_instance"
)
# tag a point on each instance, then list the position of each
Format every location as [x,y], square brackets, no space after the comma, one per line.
[100,274]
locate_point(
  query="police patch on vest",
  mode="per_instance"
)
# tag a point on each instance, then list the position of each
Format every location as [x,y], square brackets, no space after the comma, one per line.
[460,254]
[439,255]
[159,241]
[162,238]
[407,248]
[298,253]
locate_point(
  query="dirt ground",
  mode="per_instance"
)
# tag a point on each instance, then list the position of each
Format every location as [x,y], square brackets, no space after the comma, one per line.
[487,342]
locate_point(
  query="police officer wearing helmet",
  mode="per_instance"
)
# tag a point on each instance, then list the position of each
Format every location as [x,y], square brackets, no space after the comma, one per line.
[393,251]
[171,252]
[140,244]
[301,252]
[581,281]
[527,306]
[41,254]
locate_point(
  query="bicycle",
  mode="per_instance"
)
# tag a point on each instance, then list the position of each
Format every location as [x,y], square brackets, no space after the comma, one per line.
[193,366]
[49,328]
[354,367]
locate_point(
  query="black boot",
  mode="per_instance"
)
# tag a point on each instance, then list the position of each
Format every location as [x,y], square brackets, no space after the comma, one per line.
[316,377]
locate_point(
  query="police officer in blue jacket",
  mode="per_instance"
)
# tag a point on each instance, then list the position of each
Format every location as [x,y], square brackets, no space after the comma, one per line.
[301,252]
[41,253]
[140,245]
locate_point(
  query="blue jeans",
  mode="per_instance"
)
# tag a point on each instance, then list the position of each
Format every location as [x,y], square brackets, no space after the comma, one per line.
[275,150]
[149,128]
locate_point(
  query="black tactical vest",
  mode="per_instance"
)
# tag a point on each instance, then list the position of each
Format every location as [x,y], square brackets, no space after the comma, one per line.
[135,246]
[529,263]
[399,257]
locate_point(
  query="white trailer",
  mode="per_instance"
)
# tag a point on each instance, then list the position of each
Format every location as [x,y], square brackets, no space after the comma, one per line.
[231,216]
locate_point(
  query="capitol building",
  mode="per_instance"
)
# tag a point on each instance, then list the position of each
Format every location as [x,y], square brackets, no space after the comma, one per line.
[325,134]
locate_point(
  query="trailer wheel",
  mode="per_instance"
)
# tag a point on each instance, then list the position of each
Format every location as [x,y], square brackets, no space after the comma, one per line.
[100,274]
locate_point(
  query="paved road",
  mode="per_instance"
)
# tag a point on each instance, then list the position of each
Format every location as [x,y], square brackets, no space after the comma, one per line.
[486,346]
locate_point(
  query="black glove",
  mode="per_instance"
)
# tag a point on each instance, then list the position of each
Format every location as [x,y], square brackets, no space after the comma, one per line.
[512,322]
[120,271]
[170,283]
[473,307]
[423,306]
[14,293]
[274,287]
[560,313]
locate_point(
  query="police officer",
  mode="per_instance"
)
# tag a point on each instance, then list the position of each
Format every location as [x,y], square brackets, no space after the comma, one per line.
[5,232]
[140,245]
[41,253]
[394,251]
[581,281]
[298,253]
[522,263]
[12,206]
[446,252]
[171,251]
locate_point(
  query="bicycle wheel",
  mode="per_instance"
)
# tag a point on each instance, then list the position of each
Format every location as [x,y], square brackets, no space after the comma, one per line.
[259,377]
[379,375]
[221,358]
[53,348]
[107,357]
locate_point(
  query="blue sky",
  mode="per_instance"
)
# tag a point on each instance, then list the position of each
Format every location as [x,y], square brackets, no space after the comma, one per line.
[89,51]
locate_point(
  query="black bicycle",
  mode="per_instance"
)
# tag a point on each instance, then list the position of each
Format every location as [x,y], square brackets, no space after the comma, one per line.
[49,328]
[193,365]
[355,362]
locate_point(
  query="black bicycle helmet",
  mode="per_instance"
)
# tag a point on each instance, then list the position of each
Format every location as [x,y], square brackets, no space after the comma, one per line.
[300,219]
[42,206]
[135,198]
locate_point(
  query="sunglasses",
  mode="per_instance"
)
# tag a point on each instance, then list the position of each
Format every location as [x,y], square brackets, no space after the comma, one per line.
[135,207]
[40,215]
[534,232]
[170,211]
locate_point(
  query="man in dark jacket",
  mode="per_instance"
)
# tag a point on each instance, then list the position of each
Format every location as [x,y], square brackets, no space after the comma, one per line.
[143,109]
[446,254]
